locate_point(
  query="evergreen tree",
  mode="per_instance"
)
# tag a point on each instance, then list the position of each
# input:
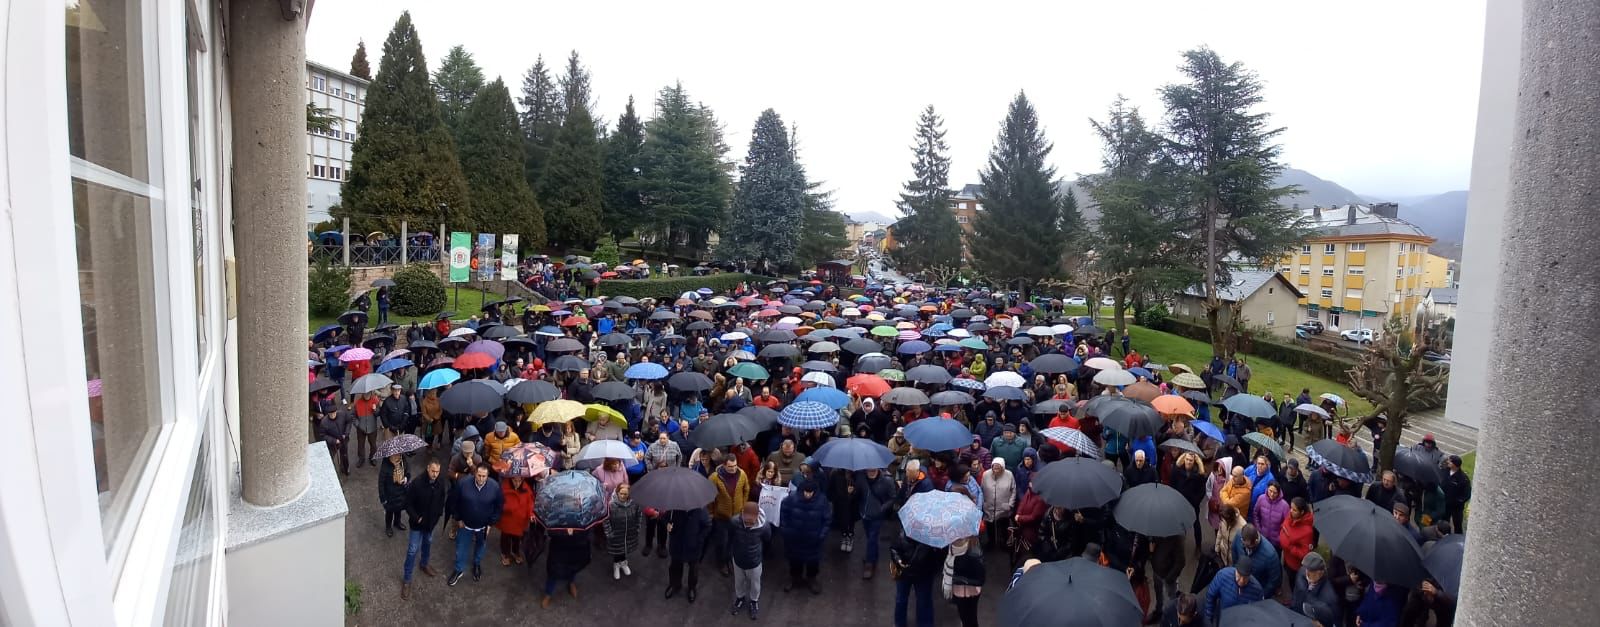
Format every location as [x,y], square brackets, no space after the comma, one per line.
[1023,232]
[623,209]
[1228,162]
[575,90]
[541,122]
[358,63]
[456,81]
[403,165]
[928,236]
[491,156]
[769,202]
[572,184]
[684,182]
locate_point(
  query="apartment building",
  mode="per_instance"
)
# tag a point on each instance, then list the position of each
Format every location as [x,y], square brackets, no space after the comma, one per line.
[328,152]
[1361,264]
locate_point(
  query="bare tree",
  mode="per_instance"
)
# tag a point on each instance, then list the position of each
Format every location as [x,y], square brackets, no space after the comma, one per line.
[1395,380]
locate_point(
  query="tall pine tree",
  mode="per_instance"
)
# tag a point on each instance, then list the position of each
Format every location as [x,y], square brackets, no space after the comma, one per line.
[541,121]
[575,89]
[1228,163]
[684,181]
[769,202]
[491,156]
[928,236]
[623,210]
[1022,234]
[358,63]
[456,81]
[572,184]
[403,165]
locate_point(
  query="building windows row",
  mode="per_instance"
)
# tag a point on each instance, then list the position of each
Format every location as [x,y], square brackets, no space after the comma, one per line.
[1327,270]
[1327,292]
[1356,270]
[1352,293]
[1305,249]
[320,83]
[1305,270]
[1328,249]
[1356,247]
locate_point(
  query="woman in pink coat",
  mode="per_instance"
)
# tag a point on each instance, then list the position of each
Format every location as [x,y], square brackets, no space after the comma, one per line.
[1220,470]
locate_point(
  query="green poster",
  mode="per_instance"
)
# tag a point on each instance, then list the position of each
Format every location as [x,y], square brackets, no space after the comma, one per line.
[460,257]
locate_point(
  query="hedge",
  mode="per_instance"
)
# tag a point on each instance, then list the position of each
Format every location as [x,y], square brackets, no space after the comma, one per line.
[669,288]
[1308,361]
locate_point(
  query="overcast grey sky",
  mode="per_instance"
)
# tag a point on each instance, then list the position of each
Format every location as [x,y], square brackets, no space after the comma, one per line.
[1379,96]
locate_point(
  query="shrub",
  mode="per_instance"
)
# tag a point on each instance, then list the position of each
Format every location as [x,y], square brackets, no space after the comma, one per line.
[417,291]
[1308,361]
[1153,317]
[606,252]
[668,288]
[328,287]
[352,598]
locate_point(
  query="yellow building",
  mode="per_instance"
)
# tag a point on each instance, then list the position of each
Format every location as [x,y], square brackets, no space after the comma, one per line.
[1360,264]
[1438,271]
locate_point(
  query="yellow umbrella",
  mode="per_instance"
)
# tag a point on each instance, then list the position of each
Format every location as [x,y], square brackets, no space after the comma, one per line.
[638,262]
[1177,368]
[539,308]
[596,411]
[557,411]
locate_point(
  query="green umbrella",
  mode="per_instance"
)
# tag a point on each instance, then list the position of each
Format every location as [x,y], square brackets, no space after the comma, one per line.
[885,331]
[890,374]
[1260,439]
[748,370]
[973,343]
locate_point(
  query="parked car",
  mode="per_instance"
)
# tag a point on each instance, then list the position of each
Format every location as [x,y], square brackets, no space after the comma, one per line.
[1108,301]
[1313,327]
[1077,301]
[1364,336]
[1436,357]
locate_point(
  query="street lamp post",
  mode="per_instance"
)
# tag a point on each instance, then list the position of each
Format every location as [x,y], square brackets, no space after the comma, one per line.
[1361,316]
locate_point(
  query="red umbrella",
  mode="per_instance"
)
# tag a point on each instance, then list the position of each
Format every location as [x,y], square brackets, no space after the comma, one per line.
[608,275]
[867,385]
[768,313]
[468,361]
[574,321]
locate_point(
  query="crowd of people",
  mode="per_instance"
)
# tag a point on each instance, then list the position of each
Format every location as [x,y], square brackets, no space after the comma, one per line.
[792,370]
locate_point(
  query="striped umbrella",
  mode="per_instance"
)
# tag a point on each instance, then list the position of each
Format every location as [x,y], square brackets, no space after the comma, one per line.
[808,415]
[1073,438]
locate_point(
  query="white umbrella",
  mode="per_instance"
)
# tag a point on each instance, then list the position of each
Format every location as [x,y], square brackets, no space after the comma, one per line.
[850,312]
[788,320]
[463,331]
[690,295]
[370,383]
[1006,379]
[1103,363]
[961,333]
[819,378]
[605,449]
[823,347]
[736,336]
[1330,396]
[1115,377]
[1041,331]
[1061,329]
[1308,408]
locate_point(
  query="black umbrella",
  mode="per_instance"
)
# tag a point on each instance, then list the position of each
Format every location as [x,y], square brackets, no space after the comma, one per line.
[1443,561]
[444,315]
[1077,483]
[1155,510]
[1417,465]
[929,374]
[386,327]
[1227,380]
[779,351]
[979,327]
[612,391]
[1071,593]
[322,383]
[519,342]
[500,332]
[1053,363]
[384,283]
[421,344]
[1020,340]
[472,397]
[819,366]
[354,317]
[1052,407]
[872,364]
[676,488]
[1368,537]
[1343,461]
[861,346]
[377,340]
[1088,330]
[533,392]
[1005,393]
[776,335]
[615,339]
[762,418]
[1267,613]
[626,300]
[1182,445]
[699,325]
[563,345]
[1198,397]
[1135,419]
[951,397]
[723,430]
[689,382]
[961,314]
[568,363]
[663,314]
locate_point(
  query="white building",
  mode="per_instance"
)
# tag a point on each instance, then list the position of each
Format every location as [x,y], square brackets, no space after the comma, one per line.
[150,150]
[328,154]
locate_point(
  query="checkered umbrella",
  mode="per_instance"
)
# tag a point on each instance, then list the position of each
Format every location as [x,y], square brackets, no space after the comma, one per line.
[1073,438]
[808,415]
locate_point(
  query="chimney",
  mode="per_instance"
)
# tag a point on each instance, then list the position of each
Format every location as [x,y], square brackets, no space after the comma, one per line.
[1351,218]
[1316,213]
[1387,209]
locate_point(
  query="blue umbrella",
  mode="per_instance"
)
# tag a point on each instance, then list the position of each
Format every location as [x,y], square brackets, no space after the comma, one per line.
[394,364]
[968,384]
[438,379]
[938,519]
[645,370]
[1210,430]
[949,348]
[1249,405]
[1005,393]
[914,347]
[1140,372]
[832,397]
[325,333]
[808,415]
[853,454]
[938,434]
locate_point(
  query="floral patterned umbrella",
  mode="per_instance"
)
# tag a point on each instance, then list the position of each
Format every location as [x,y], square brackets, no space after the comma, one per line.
[571,500]
[528,460]
[938,519]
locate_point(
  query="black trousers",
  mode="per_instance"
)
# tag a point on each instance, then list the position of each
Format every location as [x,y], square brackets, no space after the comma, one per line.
[802,571]
[675,573]
[655,528]
[967,610]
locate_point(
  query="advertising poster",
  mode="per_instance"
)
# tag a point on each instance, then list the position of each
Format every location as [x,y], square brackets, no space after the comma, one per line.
[508,256]
[460,257]
[485,255]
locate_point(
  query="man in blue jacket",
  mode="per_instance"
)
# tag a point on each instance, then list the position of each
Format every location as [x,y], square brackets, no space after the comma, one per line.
[1232,586]
[476,504]
[1248,546]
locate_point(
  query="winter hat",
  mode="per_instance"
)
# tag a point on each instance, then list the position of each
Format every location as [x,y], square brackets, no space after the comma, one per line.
[1401,508]
[500,426]
[468,447]
[989,414]
[998,461]
[1009,428]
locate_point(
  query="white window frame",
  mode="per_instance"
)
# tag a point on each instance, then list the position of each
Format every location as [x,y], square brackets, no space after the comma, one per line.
[1327,292]
[1353,293]
[1305,249]
[1327,271]
[1356,270]
[1305,270]
[1271,319]
[1329,249]
[1356,247]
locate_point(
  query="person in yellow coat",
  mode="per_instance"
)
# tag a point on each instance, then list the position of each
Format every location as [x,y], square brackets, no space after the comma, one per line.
[1236,492]
[499,441]
[733,490]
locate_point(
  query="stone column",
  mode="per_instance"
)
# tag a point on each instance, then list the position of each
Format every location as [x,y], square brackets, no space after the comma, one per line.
[266,63]
[1532,539]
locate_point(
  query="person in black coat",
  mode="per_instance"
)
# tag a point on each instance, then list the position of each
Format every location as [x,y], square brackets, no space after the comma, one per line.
[687,531]
[804,521]
[395,412]
[1189,479]
[424,503]
[334,429]
[963,566]
[1139,472]
[917,565]
[392,480]
[568,555]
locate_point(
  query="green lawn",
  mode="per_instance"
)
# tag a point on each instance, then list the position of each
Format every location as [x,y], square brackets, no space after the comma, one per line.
[1267,376]
[471,303]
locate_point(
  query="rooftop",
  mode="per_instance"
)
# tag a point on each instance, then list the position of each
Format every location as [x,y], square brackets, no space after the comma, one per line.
[1336,221]
[1443,295]
[1242,284]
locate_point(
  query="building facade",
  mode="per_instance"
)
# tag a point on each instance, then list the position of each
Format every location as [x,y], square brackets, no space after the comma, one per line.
[1267,300]
[1361,264]
[1438,271]
[157,255]
[328,153]
[965,205]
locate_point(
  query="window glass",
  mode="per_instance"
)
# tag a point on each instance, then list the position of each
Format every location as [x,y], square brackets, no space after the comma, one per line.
[109,120]
[188,598]
[196,204]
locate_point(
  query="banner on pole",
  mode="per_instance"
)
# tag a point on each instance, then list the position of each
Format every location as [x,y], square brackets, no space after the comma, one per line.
[485,256]
[508,256]
[460,257]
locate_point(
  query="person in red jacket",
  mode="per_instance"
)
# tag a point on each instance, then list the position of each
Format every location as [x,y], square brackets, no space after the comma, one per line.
[514,518]
[1064,418]
[1025,525]
[1296,537]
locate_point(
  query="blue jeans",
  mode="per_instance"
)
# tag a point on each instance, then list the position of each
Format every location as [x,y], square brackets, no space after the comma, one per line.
[473,542]
[871,527]
[419,541]
[902,592]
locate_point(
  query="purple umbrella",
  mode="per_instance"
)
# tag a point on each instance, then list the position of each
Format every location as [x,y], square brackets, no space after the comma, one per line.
[488,347]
